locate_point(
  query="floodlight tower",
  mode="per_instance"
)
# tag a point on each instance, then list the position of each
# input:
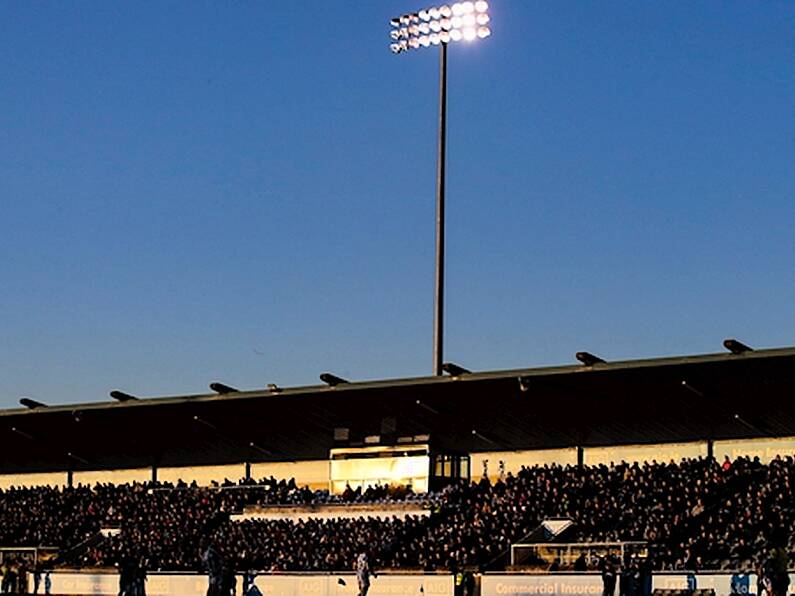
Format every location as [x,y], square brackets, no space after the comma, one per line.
[439,26]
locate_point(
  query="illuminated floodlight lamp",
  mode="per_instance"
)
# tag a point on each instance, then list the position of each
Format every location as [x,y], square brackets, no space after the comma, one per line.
[462,21]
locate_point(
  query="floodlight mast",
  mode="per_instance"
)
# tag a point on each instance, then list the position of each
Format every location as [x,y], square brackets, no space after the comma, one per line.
[441,159]
[462,21]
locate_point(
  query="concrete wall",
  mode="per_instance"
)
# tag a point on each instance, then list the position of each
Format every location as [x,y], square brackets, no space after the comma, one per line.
[112,476]
[53,479]
[203,475]
[640,453]
[765,449]
[514,460]
[314,473]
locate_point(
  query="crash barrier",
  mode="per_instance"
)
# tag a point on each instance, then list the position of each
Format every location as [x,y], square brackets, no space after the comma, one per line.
[383,511]
[191,584]
[549,584]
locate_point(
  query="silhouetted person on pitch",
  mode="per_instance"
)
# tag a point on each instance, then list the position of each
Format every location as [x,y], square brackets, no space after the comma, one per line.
[139,580]
[779,564]
[214,563]
[608,577]
[126,575]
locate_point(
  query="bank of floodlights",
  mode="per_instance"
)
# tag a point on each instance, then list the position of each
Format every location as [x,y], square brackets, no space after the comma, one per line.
[462,21]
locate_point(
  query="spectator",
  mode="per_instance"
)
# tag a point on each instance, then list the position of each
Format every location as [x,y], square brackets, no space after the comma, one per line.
[581,564]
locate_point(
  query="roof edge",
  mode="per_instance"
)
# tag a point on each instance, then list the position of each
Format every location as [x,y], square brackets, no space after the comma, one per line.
[412,381]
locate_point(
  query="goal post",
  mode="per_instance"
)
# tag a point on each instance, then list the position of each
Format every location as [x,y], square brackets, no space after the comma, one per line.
[542,556]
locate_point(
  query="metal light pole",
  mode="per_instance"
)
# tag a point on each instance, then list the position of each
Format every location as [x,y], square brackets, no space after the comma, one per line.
[438,301]
[463,21]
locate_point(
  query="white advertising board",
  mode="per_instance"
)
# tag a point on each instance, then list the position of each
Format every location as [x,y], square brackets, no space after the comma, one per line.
[107,584]
[551,584]
[542,584]
[345,585]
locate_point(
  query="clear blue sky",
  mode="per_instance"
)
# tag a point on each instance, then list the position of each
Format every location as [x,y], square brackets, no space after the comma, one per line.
[244,191]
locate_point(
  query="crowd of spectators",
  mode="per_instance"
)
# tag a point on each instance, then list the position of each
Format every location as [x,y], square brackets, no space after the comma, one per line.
[695,514]
[288,492]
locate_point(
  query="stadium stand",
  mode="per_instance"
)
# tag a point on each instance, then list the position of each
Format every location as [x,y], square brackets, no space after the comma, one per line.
[725,506]
[695,514]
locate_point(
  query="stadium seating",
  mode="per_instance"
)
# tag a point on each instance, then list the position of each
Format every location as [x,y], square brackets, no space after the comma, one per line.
[696,514]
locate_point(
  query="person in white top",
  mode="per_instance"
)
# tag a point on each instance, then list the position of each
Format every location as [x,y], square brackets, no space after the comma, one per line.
[363,573]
